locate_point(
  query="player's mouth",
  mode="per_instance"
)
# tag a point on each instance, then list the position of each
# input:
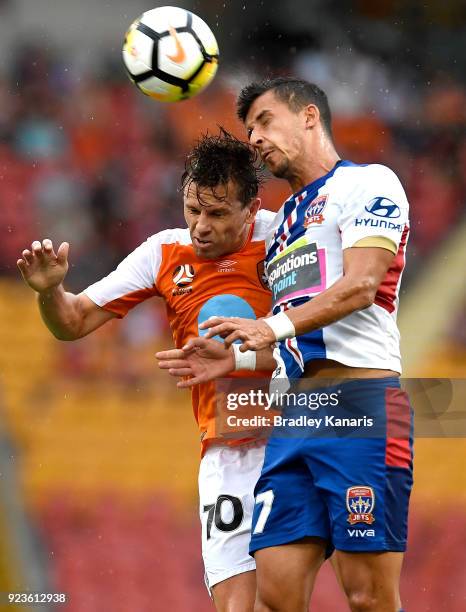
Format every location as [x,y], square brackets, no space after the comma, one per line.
[267,154]
[202,244]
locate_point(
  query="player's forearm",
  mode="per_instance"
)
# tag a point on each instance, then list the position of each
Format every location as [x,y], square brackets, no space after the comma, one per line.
[265,360]
[61,313]
[340,300]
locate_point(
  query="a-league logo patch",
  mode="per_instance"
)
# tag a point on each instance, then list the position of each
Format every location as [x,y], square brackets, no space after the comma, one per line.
[183,275]
[360,502]
[314,211]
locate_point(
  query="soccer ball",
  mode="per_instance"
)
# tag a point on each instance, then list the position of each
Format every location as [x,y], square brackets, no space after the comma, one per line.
[170,54]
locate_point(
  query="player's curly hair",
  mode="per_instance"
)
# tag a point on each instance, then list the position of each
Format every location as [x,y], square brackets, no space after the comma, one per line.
[215,160]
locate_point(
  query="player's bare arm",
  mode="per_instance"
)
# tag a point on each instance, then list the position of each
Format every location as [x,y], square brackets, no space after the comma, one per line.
[68,316]
[364,270]
[203,360]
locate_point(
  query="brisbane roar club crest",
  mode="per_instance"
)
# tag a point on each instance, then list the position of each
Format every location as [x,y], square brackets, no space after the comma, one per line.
[183,277]
[262,275]
[360,502]
[313,214]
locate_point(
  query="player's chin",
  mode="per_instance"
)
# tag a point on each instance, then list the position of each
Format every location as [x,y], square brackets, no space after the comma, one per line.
[207,252]
[279,170]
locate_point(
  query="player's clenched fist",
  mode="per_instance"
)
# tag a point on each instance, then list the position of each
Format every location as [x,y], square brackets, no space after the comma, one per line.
[41,267]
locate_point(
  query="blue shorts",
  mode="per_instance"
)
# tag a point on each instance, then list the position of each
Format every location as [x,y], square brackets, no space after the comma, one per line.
[347,478]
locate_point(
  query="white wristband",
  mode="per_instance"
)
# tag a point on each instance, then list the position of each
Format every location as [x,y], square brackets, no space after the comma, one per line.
[244,361]
[281,326]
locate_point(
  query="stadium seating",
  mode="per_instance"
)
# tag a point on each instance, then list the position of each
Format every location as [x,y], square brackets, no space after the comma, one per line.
[109,472]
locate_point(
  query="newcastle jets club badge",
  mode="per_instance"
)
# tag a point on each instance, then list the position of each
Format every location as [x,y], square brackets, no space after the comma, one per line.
[360,502]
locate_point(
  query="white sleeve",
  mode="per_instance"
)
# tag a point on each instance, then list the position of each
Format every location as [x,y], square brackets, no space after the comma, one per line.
[264,220]
[376,207]
[133,281]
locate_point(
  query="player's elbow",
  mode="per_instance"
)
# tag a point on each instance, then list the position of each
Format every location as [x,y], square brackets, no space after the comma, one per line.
[65,335]
[66,331]
[366,292]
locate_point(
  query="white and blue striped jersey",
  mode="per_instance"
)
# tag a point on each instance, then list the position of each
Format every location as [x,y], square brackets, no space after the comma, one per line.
[305,257]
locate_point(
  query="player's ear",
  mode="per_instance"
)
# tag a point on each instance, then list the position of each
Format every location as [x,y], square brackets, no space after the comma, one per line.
[254,207]
[311,115]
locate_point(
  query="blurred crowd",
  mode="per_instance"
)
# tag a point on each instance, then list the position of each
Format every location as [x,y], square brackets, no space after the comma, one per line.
[85,157]
[92,161]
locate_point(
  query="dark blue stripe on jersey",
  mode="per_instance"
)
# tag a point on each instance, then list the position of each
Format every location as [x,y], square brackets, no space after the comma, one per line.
[297,228]
[310,345]
[288,208]
[292,368]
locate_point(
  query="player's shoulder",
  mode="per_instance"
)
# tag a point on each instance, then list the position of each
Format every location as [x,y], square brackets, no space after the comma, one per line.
[170,236]
[349,172]
[379,172]
[357,181]
[264,219]
[150,251]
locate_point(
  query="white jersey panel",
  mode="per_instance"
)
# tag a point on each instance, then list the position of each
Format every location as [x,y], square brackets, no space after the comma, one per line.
[378,348]
[376,206]
[138,271]
[264,220]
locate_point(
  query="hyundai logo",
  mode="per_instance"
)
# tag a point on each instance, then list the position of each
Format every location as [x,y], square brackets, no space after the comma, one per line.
[383,207]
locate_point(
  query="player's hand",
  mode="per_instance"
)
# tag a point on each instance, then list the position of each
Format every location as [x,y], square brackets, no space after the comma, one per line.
[254,333]
[42,268]
[200,359]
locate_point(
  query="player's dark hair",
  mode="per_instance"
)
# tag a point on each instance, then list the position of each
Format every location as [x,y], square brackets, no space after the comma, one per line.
[217,159]
[296,93]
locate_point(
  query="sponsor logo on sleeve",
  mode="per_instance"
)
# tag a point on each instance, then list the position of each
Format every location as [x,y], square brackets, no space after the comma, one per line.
[383,207]
[360,501]
[382,223]
[382,210]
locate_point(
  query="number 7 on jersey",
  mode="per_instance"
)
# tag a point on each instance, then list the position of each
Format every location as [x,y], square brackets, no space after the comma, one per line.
[266,499]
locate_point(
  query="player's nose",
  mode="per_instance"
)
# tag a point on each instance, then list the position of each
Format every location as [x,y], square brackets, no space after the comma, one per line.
[256,139]
[203,224]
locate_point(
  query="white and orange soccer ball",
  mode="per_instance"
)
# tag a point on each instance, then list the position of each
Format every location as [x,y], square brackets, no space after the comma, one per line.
[170,54]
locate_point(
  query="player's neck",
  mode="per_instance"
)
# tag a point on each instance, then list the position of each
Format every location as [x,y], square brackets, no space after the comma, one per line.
[316,162]
[245,237]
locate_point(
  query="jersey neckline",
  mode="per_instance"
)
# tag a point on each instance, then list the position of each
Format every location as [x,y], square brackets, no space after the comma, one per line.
[226,255]
[319,182]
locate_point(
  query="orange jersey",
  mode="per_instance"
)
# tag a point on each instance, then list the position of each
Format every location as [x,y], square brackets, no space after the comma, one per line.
[193,289]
